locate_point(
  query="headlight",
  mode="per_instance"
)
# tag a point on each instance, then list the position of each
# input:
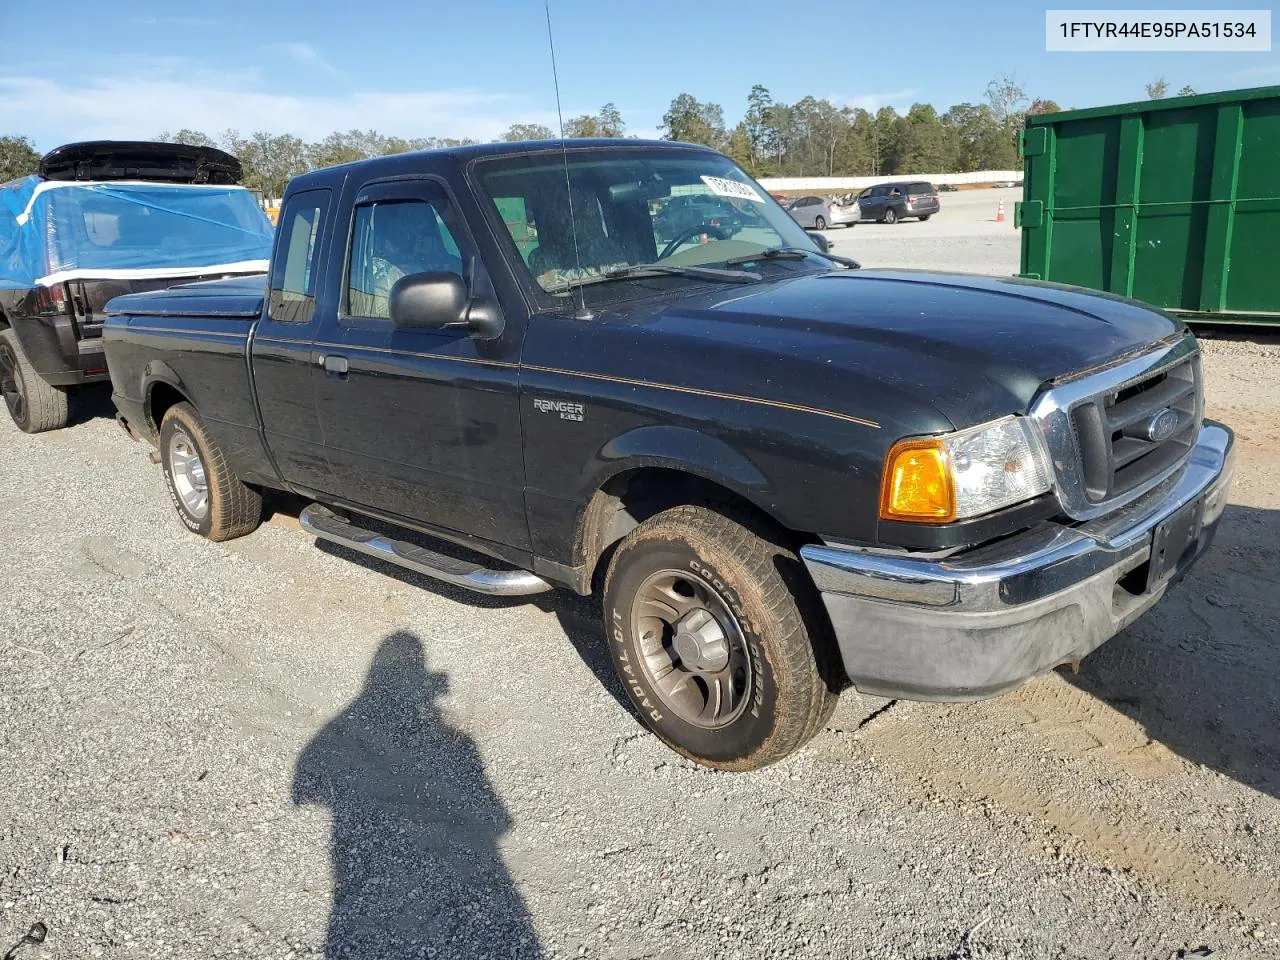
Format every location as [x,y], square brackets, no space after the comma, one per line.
[964,474]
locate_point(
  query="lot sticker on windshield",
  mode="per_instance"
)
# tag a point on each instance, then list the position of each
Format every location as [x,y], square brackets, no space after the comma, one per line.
[732,188]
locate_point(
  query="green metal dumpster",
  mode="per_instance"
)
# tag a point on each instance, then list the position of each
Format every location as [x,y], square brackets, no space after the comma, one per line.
[1175,202]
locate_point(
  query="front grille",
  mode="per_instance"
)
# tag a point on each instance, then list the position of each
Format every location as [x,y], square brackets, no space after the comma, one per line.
[1115,433]
[1118,454]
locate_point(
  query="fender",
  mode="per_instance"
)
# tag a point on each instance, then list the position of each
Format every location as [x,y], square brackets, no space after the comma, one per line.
[158,371]
[679,449]
[682,449]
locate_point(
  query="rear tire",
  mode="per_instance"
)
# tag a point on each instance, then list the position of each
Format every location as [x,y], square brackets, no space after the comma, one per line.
[890,216]
[706,631]
[819,223]
[34,405]
[925,216]
[210,499]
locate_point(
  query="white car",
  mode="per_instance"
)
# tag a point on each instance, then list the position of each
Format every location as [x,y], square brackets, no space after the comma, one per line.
[818,213]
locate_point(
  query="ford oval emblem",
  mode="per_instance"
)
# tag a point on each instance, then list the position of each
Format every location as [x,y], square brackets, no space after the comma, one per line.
[1162,425]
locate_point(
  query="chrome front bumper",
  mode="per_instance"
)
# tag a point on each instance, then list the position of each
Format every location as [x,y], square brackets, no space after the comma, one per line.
[983,622]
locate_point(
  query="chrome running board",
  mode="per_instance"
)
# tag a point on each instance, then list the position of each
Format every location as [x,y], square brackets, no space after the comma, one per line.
[323,523]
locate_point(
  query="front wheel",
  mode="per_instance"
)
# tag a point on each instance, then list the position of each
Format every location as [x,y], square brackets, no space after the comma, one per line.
[210,499]
[890,216]
[34,405]
[706,632]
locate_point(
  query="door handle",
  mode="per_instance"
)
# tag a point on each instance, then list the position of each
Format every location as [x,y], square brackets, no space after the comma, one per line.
[333,363]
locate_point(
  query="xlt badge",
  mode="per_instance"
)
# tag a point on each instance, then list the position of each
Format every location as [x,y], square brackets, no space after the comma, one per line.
[567,409]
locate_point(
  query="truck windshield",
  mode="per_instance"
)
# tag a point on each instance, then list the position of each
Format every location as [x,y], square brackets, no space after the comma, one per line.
[619,208]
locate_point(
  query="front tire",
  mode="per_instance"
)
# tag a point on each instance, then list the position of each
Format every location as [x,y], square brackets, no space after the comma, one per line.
[34,405]
[210,499]
[890,216]
[706,632]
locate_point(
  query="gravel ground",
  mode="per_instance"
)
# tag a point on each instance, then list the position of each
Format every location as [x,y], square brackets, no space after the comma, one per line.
[272,749]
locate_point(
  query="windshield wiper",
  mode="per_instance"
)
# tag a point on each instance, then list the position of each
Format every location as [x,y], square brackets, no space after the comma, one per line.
[793,253]
[650,269]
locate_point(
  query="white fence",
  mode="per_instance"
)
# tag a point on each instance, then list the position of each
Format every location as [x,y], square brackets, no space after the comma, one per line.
[838,184]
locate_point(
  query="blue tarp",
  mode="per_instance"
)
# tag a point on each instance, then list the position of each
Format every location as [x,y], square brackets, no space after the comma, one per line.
[59,230]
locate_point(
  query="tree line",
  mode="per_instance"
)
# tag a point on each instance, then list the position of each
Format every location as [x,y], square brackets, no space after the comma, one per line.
[814,137]
[811,137]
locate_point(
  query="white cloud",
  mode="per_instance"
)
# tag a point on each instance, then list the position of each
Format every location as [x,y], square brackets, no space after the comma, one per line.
[304,54]
[169,94]
[871,102]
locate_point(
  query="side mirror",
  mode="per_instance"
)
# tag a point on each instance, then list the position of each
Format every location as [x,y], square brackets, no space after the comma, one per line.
[428,301]
[433,301]
[819,241]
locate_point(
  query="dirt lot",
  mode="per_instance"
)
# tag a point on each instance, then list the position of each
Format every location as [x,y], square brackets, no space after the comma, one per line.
[273,749]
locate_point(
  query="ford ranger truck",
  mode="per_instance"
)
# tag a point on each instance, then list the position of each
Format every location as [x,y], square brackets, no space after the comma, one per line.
[782,475]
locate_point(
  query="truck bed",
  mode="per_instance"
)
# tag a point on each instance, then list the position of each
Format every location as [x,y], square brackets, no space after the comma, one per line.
[193,338]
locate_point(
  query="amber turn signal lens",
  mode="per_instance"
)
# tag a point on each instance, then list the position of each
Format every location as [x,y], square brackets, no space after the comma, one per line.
[917,483]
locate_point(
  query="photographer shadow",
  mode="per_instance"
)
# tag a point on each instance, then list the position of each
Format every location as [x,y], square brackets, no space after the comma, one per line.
[417,869]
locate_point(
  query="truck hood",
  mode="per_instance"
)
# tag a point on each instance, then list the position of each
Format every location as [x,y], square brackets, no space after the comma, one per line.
[230,297]
[973,347]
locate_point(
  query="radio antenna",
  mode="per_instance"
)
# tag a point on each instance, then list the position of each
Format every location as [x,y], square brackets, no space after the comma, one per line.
[564,153]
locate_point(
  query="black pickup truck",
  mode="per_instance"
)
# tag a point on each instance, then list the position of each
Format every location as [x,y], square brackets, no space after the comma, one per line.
[782,474]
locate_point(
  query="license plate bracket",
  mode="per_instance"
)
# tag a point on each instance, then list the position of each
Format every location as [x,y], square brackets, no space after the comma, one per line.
[1171,540]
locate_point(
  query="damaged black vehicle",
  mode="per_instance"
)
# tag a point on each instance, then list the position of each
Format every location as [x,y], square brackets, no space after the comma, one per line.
[102,219]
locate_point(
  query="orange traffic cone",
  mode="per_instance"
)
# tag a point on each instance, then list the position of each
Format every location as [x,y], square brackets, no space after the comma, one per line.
[1000,212]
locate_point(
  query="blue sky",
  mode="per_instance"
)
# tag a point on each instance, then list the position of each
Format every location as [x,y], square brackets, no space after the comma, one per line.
[133,68]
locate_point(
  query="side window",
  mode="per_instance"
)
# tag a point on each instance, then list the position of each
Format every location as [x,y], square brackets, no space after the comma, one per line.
[392,239]
[293,272]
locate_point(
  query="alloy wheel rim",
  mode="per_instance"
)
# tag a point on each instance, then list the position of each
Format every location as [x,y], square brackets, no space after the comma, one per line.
[11,386]
[189,479]
[692,649]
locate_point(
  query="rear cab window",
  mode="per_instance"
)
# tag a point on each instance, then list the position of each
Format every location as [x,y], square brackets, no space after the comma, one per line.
[920,189]
[292,296]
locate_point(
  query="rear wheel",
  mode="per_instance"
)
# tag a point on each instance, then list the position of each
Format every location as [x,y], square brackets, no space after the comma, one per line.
[890,215]
[34,405]
[210,499]
[707,634]
[925,216]
[819,223]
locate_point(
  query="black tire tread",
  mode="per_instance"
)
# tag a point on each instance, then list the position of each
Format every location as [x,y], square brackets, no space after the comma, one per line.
[805,700]
[235,509]
[47,406]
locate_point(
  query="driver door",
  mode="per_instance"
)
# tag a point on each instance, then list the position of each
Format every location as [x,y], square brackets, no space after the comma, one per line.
[418,424]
